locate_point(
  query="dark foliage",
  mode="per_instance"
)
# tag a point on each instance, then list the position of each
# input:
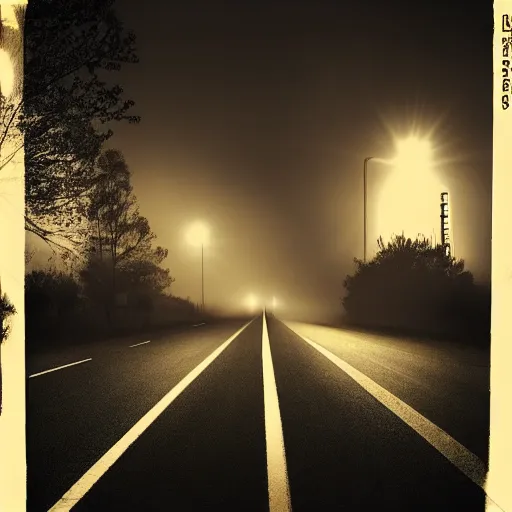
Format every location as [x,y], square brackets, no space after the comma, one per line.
[122,258]
[61,309]
[414,286]
[52,302]
[68,108]
[6,310]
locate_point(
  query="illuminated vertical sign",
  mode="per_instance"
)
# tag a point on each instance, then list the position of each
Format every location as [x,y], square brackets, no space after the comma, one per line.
[445,224]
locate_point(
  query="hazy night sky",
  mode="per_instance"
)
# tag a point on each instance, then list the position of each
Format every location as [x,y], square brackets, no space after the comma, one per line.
[256,118]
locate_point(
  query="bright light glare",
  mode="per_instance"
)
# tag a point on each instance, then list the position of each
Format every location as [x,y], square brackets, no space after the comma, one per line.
[413,156]
[6,74]
[252,302]
[409,199]
[198,234]
[274,302]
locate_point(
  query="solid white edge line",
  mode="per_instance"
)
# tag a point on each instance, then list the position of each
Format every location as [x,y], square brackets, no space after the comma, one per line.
[462,458]
[93,474]
[59,368]
[137,344]
[278,486]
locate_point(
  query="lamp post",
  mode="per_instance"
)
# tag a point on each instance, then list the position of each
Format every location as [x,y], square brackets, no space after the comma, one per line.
[198,235]
[411,153]
[202,277]
[365,194]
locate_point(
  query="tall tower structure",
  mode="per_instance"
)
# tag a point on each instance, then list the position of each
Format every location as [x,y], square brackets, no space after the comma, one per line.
[445,224]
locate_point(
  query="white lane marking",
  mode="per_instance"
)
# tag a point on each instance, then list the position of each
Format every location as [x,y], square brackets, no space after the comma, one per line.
[199,325]
[466,461]
[137,344]
[278,487]
[59,368]
[84,484]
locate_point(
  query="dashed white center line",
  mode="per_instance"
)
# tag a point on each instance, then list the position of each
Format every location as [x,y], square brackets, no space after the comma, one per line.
[199,325]
[59,368]
[137,344]
[278,487]
[84,484]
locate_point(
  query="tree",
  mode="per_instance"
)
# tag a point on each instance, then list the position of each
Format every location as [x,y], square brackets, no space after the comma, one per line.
[146,274]
[95,277]
[51,299]
[410,284]
[122,256]
[122,231]
[113,179]
[6,310]
[11,48]
[67,107]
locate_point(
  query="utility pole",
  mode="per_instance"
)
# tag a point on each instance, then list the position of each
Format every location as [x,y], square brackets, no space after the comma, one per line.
[365,198]
[202,276]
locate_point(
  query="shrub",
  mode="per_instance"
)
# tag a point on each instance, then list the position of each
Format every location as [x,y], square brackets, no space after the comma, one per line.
[416,286]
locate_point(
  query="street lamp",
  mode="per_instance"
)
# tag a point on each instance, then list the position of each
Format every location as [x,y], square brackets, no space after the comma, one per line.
[365,194]
[198,235]
[252,302]
[413,154]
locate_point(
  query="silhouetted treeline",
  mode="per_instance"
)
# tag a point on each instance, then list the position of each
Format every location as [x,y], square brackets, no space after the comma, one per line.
[415,287]
[58,308]
[118,284]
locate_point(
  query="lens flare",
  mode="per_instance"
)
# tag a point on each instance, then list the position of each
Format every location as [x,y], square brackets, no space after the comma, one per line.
[408,202]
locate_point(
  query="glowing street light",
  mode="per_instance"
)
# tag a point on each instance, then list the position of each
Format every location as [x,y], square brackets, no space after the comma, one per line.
[413,158]
[365,195]
[252,302]
[413,154]
[199,235]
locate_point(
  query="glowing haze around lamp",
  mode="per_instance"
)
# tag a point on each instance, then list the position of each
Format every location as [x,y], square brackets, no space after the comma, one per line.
[198,234]
[413,155]
[252,302]
[408,201]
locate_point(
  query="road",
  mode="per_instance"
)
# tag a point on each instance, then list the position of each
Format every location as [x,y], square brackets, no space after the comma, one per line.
[258,415]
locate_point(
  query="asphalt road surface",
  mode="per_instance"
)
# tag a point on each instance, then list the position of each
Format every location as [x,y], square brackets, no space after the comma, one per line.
[258,415]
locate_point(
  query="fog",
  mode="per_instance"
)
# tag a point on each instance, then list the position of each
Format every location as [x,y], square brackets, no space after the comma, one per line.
[256,121]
